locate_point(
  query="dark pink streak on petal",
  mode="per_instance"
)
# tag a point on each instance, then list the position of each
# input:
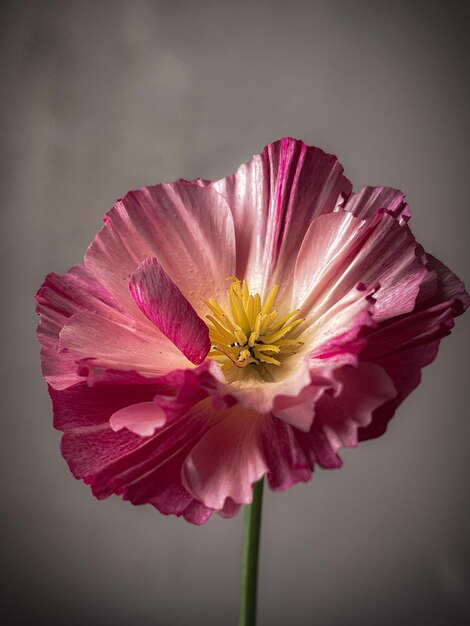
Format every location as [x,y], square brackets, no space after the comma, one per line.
[288,463]
[404,345]
[162,302]
[83,414]
[273,200]
[369,200]
[187,227]
[340,251]
[141,469]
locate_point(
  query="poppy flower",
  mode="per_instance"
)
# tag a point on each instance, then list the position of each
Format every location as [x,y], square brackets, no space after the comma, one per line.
[219,332]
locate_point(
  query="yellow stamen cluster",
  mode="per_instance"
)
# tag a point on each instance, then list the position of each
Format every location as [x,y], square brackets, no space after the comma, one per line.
[254,332]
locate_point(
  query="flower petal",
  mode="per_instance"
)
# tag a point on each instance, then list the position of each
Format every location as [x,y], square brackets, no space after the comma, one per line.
[273,199]
[187,227]
[288,463]
[339,252]
[338,416]
[402,347]
[142,418]
[59,298]
[291,454]
[299,410]
[162,302]
[83,414]
[369,200]
[154,474]
[109,345]
[327,248]
[338,336]
[140,469]
[226,461]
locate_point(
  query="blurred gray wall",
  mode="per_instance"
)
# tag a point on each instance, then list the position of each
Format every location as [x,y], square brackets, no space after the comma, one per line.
[101,97]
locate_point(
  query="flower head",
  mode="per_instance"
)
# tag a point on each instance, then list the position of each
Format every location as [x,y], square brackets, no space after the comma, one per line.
[221,331]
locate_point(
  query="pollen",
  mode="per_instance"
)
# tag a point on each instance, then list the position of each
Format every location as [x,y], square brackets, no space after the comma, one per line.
[252,333]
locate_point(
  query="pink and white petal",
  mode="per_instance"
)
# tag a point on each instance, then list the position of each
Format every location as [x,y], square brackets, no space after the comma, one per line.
[369,200]
[114,346]
[328,247]
[83,414]
[338,333]
[432,319]
[187,227]
[230,509]
[404,369]
[162,302]
[140,469]
[273,199]
[59,370]
[226,461]
[404,346]
[58,299]
[196,513]
[154,476]
[448,288]
[380,251]
[339,416]
[299,410]
[363,389]
[287,462]
[391,257]
[141,419]
[258,396]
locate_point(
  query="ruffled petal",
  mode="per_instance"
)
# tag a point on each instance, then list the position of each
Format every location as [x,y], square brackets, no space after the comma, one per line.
[109,345]
[448,288]
[260,397]
[188,228]
[338,340]
[83,414]
[291,454]
[162,302]
[155,477]
[340,251]
[327,248]
[369,200]
[287,462]
[337,336]
[338,416]
[226,462]
[59,298]
[141,469]
[299,410]
[142,419]
[273,199]
[403,346]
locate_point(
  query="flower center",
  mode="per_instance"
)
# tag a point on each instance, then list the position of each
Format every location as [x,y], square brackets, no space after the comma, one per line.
[254,334]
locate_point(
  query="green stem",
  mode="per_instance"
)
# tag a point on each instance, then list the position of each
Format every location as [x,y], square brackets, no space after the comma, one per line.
[249,576]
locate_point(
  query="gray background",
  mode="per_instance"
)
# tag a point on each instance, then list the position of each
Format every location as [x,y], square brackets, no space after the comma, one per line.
[101,97]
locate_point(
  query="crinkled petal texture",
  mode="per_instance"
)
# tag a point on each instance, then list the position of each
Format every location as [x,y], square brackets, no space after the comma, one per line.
[148,415]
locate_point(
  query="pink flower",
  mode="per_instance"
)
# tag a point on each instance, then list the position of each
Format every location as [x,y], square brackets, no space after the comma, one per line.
[221,331]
